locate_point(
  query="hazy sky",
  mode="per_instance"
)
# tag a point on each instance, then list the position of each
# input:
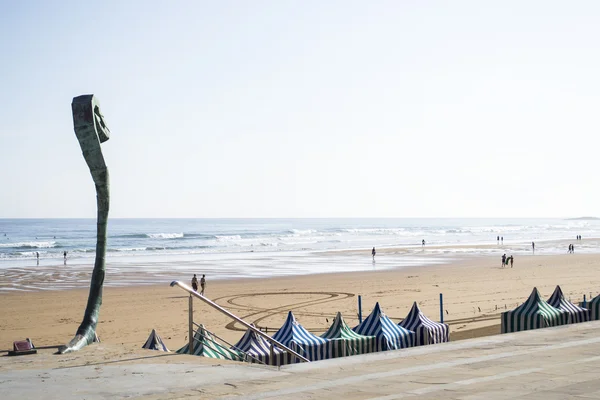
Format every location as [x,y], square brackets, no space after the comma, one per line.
[304,108]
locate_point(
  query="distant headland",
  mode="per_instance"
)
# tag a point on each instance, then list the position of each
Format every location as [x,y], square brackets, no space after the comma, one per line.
[583,219]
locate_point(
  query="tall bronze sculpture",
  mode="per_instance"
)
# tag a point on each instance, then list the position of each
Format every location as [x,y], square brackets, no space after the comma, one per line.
[91,131]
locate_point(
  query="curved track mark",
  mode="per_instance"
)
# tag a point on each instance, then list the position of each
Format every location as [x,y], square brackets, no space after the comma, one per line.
[330,296]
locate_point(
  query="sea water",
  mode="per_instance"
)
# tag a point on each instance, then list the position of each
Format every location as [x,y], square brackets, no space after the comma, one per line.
[154,249]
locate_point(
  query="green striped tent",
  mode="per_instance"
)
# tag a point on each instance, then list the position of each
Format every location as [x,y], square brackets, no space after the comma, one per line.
[350,342]
[205,345]
[595,308]
[535,313]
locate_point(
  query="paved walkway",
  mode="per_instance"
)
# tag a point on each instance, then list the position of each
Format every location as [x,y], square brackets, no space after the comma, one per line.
[553,363]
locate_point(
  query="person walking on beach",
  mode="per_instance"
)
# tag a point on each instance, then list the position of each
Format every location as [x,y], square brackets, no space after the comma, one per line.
[65,255]
[202,284]
[195,283]
[498,239]
[511,260]
[423,243]
[37,256]
[533,247]
[373,252]
[503,260]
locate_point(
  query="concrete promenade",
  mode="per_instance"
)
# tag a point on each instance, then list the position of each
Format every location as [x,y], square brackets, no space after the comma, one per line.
[553,363]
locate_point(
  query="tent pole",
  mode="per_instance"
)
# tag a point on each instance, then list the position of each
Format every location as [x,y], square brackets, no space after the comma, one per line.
[237,319]
[359,309]
[441,308]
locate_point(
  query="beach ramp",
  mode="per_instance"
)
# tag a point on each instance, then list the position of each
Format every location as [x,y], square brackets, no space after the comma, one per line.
[426,330]
[389,336]
[351,343]
[154,342]
[535,313]
[205,345]
[595,308]
[576,314]
[313,347]
[259,350]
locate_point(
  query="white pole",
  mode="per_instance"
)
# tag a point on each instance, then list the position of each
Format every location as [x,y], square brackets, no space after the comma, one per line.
[191,324]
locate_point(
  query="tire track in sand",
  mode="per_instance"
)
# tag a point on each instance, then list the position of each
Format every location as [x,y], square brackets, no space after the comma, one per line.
[268,312]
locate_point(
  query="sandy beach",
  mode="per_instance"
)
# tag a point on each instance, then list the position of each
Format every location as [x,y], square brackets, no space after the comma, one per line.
[475,291]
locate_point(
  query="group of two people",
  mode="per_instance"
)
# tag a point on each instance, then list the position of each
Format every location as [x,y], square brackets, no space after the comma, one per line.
[506,260]
[202,284]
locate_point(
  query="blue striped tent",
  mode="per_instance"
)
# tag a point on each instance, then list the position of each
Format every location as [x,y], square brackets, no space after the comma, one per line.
[595,308]
[426,330]
[313,347]
[351,343]
[205,345]
[154,342]
[389,335]
[535,313]
[257,348]
[576,314]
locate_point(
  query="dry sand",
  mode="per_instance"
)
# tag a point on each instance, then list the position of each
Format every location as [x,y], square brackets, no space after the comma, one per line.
[475,291]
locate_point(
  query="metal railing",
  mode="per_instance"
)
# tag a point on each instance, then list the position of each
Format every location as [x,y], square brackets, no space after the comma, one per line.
[214,305]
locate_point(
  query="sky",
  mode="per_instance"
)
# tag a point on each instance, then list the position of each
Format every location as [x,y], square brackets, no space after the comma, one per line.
[304,108]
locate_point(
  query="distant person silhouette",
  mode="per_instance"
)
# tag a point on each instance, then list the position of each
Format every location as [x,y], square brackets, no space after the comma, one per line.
[503,260]
[498,239]
[423,242]
[373,252]
[502,239]
[511,260]
[37,256]
[195,283]
[202,284]
[533,247]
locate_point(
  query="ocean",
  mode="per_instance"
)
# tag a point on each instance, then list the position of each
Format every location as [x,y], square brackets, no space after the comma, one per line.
[146,250]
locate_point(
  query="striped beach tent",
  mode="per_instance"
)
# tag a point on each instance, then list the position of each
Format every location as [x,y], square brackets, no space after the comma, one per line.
[351,342]
[154,342]
[313,347]
[426,330]
[389,335]
[256,348]
[595,308]
[205,345]
[535,313]
[576,314]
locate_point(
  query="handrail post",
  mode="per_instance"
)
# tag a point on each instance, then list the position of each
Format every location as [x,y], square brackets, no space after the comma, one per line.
[191,324]
[238,319]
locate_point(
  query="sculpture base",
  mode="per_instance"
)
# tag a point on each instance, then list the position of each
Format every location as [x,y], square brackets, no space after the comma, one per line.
[78,342]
